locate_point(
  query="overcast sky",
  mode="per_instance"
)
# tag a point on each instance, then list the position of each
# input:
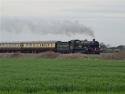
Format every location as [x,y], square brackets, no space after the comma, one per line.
[105,17]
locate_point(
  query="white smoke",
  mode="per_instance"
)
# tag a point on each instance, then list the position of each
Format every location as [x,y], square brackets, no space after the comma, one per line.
[44,26]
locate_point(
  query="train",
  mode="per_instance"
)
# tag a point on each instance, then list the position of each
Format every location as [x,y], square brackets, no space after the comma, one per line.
[72,46]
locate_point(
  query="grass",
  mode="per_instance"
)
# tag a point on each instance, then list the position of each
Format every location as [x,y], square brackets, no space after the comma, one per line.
[61,76]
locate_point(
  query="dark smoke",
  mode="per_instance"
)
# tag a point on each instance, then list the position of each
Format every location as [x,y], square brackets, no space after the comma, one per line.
[68,28]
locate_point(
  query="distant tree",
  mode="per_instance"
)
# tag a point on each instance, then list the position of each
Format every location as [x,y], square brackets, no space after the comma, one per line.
[121,47]
[104,46]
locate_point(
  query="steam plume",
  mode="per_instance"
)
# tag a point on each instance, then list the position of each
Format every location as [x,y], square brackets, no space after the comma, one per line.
[68,28]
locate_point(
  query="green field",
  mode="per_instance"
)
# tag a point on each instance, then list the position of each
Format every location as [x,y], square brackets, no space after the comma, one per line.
[61,76]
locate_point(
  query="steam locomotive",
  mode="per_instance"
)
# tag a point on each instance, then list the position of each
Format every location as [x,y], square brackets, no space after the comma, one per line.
[72,46]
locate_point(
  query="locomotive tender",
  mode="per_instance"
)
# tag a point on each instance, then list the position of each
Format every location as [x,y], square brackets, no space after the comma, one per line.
[73,46]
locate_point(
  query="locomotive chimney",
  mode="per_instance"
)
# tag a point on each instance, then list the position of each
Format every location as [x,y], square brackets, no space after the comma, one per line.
[93,40]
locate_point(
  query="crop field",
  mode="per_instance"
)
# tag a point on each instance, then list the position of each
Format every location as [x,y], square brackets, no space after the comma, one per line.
[61,76]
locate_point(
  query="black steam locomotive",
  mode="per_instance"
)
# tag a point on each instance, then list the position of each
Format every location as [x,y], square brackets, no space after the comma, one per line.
[78,46]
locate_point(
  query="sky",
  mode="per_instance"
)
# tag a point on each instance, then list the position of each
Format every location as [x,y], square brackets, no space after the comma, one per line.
[105,17]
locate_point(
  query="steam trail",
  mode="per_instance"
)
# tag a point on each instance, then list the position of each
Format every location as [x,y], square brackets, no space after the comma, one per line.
[68,28]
